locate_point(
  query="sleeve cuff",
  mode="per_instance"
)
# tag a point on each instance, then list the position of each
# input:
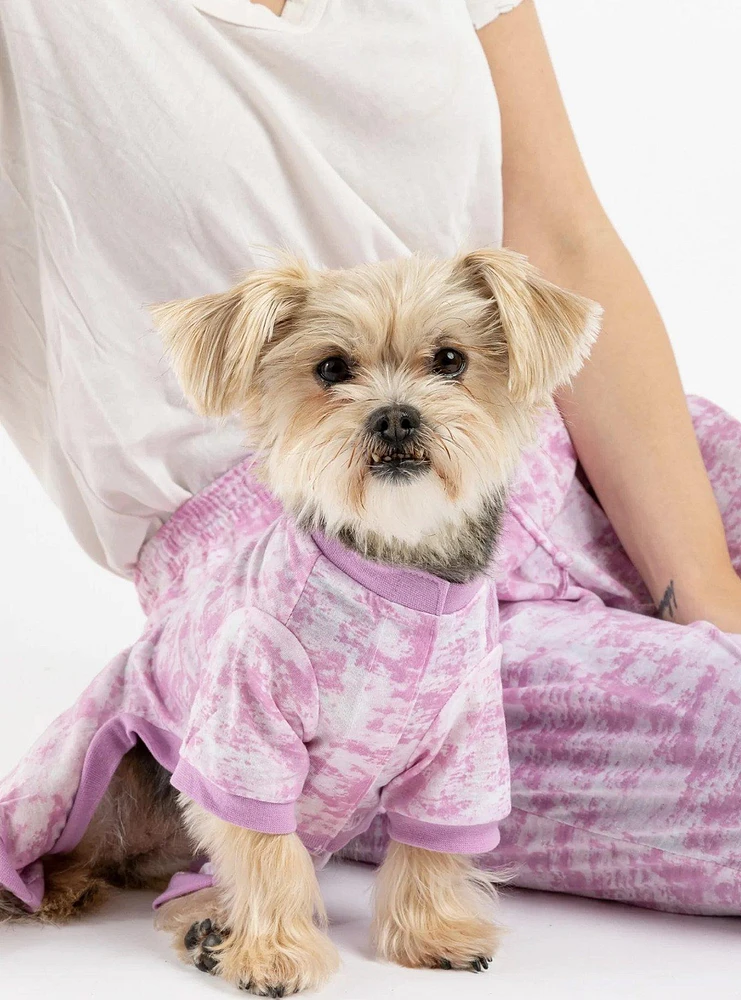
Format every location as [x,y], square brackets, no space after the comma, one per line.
[484,11]
[448,839]
[251,814]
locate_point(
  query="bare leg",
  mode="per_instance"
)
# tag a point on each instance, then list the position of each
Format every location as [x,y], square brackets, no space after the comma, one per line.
[433,910]
[136,839]
[260,929]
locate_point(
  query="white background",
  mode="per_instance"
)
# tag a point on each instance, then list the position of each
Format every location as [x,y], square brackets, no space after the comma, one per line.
[654,91]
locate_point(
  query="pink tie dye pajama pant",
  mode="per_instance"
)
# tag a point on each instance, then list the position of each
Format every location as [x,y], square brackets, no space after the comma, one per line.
[624,731]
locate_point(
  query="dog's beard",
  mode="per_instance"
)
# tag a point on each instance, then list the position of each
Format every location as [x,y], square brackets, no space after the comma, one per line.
[443,516]
[411,521]
[457,552]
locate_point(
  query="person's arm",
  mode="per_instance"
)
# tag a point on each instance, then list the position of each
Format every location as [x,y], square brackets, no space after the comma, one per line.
[626,411]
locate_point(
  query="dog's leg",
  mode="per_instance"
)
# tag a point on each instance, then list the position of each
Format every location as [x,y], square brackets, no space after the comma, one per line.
[260,929]
[432,910]
[136,839]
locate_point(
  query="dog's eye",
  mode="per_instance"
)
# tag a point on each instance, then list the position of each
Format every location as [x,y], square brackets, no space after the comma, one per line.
[334,370]
[449,362]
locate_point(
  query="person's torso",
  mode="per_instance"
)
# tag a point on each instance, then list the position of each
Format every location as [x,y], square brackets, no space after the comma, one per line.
[155,149]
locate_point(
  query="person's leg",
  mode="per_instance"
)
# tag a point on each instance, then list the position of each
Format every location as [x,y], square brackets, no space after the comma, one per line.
[625,748]
[625,731]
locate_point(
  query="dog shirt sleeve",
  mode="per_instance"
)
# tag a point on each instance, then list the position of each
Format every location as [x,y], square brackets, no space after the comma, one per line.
[456,789]
[243,755]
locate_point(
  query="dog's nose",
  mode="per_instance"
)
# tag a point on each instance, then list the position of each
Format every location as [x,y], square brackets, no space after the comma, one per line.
[394,424]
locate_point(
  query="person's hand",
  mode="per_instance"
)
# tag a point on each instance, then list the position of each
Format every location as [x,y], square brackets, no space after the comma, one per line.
[717,601]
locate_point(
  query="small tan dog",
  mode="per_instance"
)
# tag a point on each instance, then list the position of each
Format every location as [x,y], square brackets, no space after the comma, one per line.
[389,405]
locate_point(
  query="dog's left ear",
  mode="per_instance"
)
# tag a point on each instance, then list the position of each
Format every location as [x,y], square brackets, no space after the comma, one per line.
[548,331]
[215,341]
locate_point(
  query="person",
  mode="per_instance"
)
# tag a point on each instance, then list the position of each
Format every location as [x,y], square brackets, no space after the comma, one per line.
[151,150]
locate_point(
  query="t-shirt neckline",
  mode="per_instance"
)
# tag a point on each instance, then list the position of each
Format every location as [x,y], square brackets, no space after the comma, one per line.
[297,15]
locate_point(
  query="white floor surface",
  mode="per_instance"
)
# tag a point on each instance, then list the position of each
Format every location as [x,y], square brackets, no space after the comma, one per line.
[559,948]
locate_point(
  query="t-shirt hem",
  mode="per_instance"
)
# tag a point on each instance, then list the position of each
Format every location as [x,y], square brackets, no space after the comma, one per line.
[483,12]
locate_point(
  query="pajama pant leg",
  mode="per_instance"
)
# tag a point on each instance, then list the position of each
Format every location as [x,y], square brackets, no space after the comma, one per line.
[625,748]
[625,731]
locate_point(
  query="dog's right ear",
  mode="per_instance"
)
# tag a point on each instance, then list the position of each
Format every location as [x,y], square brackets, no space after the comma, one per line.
[215,341]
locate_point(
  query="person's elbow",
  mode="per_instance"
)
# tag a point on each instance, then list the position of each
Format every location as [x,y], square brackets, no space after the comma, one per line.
[550,234]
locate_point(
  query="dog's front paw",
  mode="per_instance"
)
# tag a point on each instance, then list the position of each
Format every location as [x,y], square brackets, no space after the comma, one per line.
[288,961]
[461,944]
[294,957]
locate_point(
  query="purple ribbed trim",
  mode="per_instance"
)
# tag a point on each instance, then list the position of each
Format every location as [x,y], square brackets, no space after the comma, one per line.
[432,836]
[440,837]
[103,756]
[27,885]
[183,884]
[238,495]
[413,588]
[252,814]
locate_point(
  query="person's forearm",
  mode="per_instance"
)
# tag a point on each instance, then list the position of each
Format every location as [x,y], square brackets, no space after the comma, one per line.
[631,428]
[626,411]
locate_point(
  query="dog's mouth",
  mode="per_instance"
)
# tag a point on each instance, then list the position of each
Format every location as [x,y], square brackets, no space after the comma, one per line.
[397,465]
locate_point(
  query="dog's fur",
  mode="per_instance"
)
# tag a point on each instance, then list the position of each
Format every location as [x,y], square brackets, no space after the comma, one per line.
[432,499]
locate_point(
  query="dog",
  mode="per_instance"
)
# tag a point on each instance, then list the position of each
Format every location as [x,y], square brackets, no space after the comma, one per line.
[388,406]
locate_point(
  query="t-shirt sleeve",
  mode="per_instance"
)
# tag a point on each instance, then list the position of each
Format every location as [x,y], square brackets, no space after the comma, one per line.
[243,755]
[484,11]
[457,789]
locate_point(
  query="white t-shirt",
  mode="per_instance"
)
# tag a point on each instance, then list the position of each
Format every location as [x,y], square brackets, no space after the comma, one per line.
[153,149]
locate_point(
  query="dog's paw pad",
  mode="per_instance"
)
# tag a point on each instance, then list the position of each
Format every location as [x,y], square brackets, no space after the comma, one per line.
[478,964]
[201,939]
[206,962]
[277,990]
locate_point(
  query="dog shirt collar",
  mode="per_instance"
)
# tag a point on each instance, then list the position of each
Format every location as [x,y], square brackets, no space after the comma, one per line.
[238,498]
[413,588]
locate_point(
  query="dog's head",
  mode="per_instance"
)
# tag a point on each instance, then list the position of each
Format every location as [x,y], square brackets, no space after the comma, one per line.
[389,402]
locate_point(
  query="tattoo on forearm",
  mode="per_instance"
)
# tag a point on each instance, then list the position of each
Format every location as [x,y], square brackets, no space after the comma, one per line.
[668,604]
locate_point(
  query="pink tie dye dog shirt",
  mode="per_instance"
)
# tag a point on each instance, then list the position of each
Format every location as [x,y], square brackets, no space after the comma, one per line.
[287,684]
